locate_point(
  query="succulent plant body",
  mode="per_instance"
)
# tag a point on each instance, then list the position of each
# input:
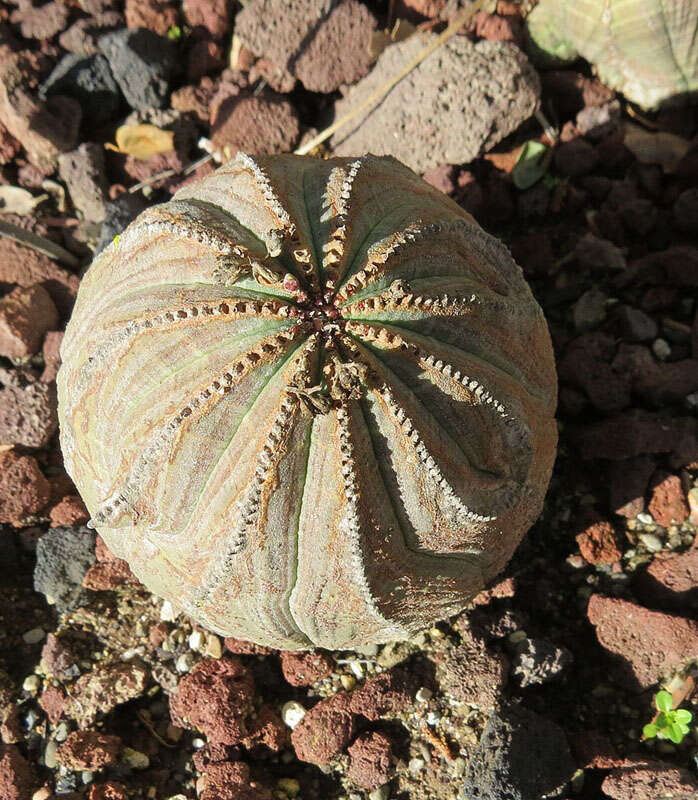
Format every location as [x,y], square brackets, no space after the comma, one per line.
[310,402]
[647,49]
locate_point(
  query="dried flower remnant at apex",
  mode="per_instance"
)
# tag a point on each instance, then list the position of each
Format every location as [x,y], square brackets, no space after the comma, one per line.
[310,402]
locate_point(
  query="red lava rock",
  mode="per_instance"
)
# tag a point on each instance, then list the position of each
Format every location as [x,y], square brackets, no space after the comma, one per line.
[17,780]
[44,129]
[158,632]
[575,158]
[215,698]
[27,409]
[88,750]
[204,56]
[54,702]
[40,20]
[386,694]
[52,356]
[69,511]
[111,790]
[195,100]
[83,35]
[324,45]
[636,432]
[594,750]
[230,780]
[23,266]
[338,51]
[105,688]
[598,543]
[668,504]
[370,760]
[650,781]
[441,178]
[305,668]
[267,729]
[649,643]
[471,673]
[9,146]
[629,480]
[490,623]
[671,580]
[108,575]
[209,16]
[263,124]
[144,169]
[325,731]
[25,316]
[56,657]
[505,588]
[243,648]
[499,27]
[23,488]
[586,365]
[156,15]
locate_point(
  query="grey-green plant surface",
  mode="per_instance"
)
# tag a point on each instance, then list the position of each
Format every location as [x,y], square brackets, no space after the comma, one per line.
[646,49]
[310,402]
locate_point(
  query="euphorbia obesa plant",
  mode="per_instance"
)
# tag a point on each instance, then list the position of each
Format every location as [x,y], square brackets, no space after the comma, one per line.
[310,401]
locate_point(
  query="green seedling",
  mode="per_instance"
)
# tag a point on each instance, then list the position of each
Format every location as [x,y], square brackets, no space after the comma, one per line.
[670,723]
[174,34]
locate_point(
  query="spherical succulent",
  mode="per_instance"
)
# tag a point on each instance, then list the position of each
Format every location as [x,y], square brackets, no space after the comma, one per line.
[310,402]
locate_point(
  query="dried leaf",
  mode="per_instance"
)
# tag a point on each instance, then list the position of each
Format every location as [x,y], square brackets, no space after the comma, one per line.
[531,165]
[15,200]
[143,141]
[663,148]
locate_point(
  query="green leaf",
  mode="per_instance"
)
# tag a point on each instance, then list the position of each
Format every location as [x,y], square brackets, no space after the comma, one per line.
[683,727]
[530,166]
[675,733]
[174,34]
[650,731]
[681,715]
[664,701]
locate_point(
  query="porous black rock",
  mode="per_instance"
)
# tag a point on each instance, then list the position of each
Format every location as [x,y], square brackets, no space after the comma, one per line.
[520,756]
[89,80]
[142,64]
[63,557]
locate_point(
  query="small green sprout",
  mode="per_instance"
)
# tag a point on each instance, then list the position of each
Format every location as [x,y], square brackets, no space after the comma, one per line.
[116,239]
[174,34]
[669,724]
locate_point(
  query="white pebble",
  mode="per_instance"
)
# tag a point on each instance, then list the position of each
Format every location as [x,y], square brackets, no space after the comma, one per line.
[292,713]
[196,640]
[661,349]
[423,695]
[167,612]
[31,684]
[184,663]
[357,668]
[652,543]
[645,518]
[381,793]
[416,765]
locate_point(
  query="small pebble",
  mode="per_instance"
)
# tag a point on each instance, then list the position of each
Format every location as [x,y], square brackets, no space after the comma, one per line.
[134,758]
[661,349]
[50,754]
[423,695]
[42,794]
[62,731]
[184,663]
[517,636]
[381,793]
[31,684]
[167,612]
[357,668]
[653,543]
[347,681]
[214,648]
[645,518]
[416,765]
[34,636]
[197,743]
[433,718]
[196,640]
[292,713]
